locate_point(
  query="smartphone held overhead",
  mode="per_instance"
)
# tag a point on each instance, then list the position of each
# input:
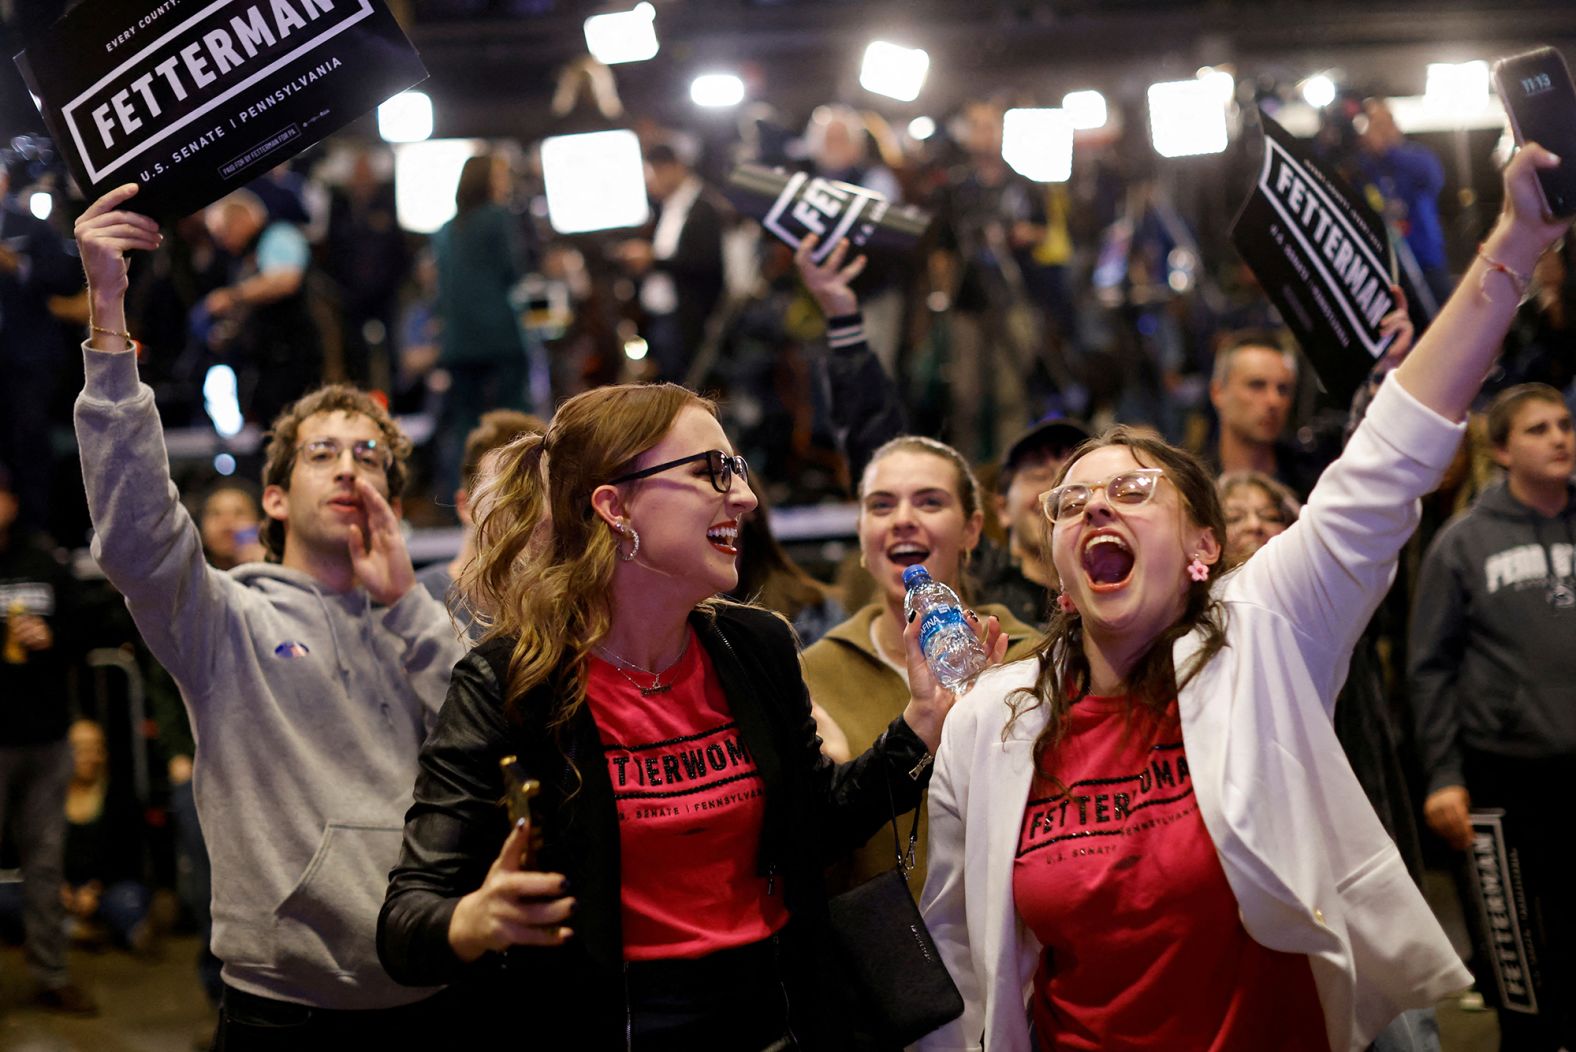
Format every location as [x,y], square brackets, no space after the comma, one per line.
[1541,100]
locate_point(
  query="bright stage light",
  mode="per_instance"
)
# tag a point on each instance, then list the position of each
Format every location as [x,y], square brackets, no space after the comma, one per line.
[407,117]
[41,203]
[635,349]
[1038,144]
[425,176]
[623,36]
[716,90]
[1086,109]
[1220,81]
[1318,91]
[220,400]
[1187,117]
[894,71]
[921,128]
[595,181]
[1456,87]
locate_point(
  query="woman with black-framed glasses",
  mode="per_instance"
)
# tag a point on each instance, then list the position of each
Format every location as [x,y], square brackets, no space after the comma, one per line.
[685,811]
[1149,836]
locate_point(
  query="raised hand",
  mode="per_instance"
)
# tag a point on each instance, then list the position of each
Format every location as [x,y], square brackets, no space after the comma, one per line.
[1526,228]
[828,282]
[379,557]
[1398,321]
[513,907]
[105,233]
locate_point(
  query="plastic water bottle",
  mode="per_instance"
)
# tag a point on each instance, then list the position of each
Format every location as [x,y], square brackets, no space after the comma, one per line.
[952,650]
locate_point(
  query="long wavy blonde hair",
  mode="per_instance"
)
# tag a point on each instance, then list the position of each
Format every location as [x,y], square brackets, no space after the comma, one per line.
[543,571]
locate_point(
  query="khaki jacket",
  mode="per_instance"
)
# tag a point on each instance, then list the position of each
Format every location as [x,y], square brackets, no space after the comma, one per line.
[863,695]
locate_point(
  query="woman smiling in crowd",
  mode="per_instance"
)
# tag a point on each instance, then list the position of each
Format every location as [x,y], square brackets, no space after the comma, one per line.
[919,504]
[1256,509]
[685,809]
[1148,837]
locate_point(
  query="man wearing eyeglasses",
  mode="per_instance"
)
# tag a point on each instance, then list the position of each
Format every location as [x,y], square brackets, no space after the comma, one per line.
[311,679]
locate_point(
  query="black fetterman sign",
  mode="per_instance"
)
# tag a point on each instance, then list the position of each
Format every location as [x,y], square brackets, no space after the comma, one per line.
[1322,256]
[193,98]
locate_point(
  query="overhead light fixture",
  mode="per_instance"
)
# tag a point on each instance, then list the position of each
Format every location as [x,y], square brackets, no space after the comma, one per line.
[921,128]
[623,36]
[41,203]
[1187,117]
[636,349]
[1456,87]
[407,117]
[716,90]
[894,71]
[1318,91]
[1086,110]
[1220,81]
[594,181]
[1038,144]
[425,177]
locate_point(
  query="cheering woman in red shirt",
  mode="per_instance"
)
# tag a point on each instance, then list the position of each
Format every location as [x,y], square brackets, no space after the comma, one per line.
[1149,838]
[686,810]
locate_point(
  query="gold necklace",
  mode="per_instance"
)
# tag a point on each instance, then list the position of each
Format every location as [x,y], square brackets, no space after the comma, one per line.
[657,686]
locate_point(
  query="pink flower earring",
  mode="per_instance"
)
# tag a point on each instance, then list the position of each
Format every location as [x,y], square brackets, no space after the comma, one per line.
[1198,569]
[1065,604]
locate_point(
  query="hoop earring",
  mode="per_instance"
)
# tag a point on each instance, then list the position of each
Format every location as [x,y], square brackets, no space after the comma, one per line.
[1198,569]
[622,529]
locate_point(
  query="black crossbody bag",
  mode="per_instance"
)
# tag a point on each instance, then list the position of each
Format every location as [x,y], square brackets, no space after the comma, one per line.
[903,986]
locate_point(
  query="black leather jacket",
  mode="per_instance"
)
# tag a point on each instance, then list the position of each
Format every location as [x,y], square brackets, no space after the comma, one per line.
[574,996]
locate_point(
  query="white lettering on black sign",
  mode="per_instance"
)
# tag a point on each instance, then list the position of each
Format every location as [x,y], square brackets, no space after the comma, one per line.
[829,210]
[194,67]
[1504,912]
[1347,265]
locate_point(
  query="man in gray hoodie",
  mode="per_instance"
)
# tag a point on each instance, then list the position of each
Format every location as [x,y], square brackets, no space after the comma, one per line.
[1493,676]
[311,680]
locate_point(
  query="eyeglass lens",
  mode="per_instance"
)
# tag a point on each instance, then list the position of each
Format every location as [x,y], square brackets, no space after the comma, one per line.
[723,468]
[1127,488]
[368,453]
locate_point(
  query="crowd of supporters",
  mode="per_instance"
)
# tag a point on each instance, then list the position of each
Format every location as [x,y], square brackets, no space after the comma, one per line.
[1030,318]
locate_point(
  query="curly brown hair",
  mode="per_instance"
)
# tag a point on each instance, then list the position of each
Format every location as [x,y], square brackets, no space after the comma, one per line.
[280,452]
[543,570]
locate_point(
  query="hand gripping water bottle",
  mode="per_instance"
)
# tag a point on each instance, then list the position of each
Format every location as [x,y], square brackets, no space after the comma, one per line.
[952,650]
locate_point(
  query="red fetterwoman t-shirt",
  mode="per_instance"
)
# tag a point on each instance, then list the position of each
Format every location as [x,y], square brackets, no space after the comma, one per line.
[690,808]
[1118,879]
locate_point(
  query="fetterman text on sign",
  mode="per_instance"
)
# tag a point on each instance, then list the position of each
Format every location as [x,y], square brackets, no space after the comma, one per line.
[1323,258]
[192,98]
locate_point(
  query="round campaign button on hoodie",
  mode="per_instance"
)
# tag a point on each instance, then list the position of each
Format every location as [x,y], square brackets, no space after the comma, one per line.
[291,649]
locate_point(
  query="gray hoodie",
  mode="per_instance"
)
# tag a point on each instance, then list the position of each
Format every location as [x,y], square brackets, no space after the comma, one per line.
[1493,637]
[308,709]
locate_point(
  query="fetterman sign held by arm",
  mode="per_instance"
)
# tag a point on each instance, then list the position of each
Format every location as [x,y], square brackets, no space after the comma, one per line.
[192,99]
[1323,257]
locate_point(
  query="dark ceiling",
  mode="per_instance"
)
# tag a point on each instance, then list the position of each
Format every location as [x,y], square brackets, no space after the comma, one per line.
[494,62]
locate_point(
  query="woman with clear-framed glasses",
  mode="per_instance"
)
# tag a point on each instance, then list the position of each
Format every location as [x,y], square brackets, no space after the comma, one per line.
[1147,837]
[667,891]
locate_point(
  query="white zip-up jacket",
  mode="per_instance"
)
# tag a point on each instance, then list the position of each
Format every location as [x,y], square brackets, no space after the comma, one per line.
[1312,869]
